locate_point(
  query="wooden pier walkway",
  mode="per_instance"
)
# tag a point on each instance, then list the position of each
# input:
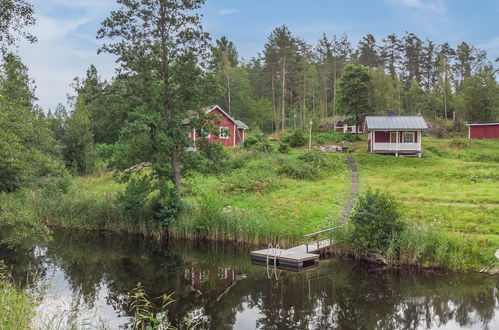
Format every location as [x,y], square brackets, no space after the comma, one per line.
[307,255]
[296,258]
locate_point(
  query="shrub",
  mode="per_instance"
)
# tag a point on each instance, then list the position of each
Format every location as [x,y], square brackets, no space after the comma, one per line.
[300,170]
[377,221]
[295,139]
[245,181]
[134,198]
[283,148]
[258,143]
[250,141]
[166,210]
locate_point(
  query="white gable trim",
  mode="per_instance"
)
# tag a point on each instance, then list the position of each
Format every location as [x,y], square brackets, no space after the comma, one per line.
[225,113]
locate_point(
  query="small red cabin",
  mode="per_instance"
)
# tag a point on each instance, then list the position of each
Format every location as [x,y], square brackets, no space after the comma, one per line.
[395,135]
[483,131]
[231,131]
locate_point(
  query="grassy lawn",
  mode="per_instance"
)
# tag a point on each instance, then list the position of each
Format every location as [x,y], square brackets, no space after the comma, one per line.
[454,187]
[265,197]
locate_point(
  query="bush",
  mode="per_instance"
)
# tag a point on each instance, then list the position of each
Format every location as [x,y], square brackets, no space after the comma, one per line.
[333,137]
[57,183]
[377,221]
[166,210]
[299,170]
[250,141]
[245,181]
[283,148]
[258,143]
[133,200]
[295,139]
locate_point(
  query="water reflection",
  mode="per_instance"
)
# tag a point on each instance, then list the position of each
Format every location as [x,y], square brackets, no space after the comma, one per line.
[217,286]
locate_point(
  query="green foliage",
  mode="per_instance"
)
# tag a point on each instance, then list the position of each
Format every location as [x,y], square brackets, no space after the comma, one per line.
[207,217]
[475,101]
[353,90]
[18,225]
[259,143]
[166,206]
[146,315]
[333,137]
[283,148]
[295,139]
[133,200]
[26,147]
[17,307]
[300,170]
[249,181]
[377,221]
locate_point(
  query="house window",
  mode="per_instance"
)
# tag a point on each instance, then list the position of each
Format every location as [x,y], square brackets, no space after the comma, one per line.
[393,137]
[205,133]
[408,137]
[224,132]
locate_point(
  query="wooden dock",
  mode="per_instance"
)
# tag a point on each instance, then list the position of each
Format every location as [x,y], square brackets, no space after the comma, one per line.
[296,258]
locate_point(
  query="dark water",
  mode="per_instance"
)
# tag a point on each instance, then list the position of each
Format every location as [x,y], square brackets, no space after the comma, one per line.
[88,279]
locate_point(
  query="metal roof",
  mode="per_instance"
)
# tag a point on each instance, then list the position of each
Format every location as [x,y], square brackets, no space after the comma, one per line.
[240,124]
[484,124]
[396,122]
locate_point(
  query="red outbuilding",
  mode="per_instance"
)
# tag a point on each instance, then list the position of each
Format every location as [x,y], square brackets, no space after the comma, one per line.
[230,131]
[482,131]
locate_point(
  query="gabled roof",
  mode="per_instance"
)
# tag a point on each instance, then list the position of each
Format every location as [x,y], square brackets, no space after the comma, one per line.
[396,122]
[193,114]
[240,124]
[213,107]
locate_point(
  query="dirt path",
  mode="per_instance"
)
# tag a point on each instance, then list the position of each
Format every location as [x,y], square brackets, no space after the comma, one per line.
[355,190]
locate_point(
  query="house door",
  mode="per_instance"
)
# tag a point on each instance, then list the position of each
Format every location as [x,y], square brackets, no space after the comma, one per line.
[393,137]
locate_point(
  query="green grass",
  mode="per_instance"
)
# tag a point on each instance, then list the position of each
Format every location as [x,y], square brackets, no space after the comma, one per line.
[452,190]
[17,307]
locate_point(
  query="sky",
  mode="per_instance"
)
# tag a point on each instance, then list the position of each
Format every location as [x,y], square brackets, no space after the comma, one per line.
[67,46]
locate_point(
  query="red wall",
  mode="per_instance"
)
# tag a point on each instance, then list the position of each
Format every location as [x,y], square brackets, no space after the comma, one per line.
[224,121]
[484,132]
[384,136]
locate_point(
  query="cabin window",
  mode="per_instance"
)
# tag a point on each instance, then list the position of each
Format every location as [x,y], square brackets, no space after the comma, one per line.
[393,137]
[408,137]
[224,132]
[205,133]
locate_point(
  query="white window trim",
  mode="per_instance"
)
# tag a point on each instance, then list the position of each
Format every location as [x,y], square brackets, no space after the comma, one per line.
[408,133]
[390,137]
[227,130]
[205,133]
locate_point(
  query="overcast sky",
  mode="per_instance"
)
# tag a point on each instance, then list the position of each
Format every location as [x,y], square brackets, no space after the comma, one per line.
[67,46]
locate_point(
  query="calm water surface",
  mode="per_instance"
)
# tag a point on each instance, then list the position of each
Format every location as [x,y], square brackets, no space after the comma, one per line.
[89,278]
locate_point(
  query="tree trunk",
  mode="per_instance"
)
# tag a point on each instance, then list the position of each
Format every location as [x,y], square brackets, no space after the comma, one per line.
[283,111]
[334,88]
[274,116]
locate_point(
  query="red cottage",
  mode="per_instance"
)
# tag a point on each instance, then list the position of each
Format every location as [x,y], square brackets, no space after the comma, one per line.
[395,135]
[340,126]
[483,130]
[231,131]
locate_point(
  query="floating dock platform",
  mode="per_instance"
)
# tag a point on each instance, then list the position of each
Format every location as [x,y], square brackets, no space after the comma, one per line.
[296,258]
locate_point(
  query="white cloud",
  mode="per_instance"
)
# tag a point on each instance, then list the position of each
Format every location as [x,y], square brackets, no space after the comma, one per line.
[227,11]
[66,47]
[428,5]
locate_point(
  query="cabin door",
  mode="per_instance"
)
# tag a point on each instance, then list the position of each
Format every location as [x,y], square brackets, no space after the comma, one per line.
[393,137]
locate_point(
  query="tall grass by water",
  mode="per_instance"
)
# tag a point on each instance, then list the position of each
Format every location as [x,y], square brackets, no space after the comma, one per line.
[17,307]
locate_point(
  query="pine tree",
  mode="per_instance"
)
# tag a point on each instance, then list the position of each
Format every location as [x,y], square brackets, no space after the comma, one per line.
[367,52]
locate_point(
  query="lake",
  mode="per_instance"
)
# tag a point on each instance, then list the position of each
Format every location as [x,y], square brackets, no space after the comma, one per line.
[87,279]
